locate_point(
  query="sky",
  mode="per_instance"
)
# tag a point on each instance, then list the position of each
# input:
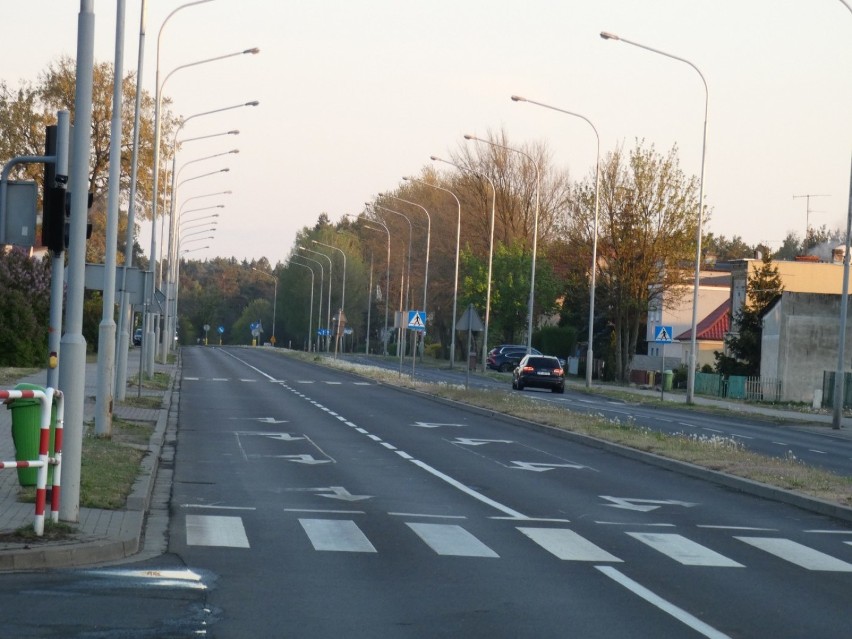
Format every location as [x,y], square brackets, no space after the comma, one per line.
[354,94]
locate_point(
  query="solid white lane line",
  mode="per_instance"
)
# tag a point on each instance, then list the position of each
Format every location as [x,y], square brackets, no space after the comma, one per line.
[336,535]
[324,510]
[215,530]
[217,507]
[685,551]
[466,490]
[451,540]
[798,554]
[669,608]
[425,515]
[736,528]
[568,545]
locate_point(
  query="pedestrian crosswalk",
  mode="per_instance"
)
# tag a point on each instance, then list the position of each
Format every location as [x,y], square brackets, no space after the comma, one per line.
[328,534]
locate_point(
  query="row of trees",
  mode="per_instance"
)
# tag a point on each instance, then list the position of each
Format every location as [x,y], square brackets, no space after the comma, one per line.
[646,237]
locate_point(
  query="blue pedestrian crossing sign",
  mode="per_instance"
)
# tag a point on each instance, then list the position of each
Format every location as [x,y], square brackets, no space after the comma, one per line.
[663,334]
[417,320]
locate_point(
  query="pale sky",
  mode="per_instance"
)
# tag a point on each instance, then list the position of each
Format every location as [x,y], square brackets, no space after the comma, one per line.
[355,94]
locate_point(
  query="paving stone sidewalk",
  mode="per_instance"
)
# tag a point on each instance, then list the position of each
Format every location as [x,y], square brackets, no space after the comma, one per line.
[100,536]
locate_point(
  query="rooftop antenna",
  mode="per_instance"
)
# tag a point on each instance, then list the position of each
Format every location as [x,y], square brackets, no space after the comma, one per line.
[808,211]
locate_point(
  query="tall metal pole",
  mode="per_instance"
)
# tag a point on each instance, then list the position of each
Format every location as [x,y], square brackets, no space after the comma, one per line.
[531,302]
[456,274]
[322,283]
[328,306]
[490,253]
[125,312]
[106,330]
[837,408]
[693,353]
[72,366]
[590,349]
[311,304]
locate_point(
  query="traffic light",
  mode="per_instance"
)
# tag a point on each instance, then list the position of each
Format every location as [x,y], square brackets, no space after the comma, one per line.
[54,200]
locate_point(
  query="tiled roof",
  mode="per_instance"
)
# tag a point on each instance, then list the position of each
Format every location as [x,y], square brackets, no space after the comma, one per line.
[712,327]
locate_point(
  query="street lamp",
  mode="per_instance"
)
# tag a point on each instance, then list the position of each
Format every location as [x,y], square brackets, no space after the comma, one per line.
[690,384]
[490,251]
[408,258]
[535,228]
[311,304]
[328,306]
[387,275]
[322,283]
[590,350]
[456,275]
[274,299]
[428,242]
[342,292]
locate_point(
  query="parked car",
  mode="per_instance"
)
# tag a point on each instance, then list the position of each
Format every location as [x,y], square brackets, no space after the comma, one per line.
[508,357]
[539,371]
[137,337]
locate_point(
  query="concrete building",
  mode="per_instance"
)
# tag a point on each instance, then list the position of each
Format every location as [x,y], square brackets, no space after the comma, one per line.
[800,342]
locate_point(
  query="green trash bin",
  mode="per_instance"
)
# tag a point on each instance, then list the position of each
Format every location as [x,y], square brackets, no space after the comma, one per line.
[668,379]
[26,434]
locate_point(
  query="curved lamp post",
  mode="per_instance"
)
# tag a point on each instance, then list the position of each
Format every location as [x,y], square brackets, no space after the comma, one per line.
[535,228]
[328,306]
[310,304]
[387,277]
[274,298]
[322,283]
[590,350]
[456,275]
[690,384]
[490,251]
[428,241]
[342,292]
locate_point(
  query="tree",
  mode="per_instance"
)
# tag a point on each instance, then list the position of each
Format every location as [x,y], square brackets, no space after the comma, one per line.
[25,295]
[647,226]
[744,341]
[721,249]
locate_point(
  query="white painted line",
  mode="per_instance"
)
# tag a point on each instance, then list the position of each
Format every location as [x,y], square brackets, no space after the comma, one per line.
[425,515]
[669,608]
[736,528]
[336,535]
[304,381]
[568,545]
[351,424]
[190,379]
[631,524]
[324,510]
[819,452]
[361,430]
[741,436]
[215,530]
[363,383]
[248,380]
[830,532]
[685,551]
[547,520]
[780,443]
[451,540]
[712,430]
[466,490]
[375,438]
[687,424]
[216,507]
[403,454]
[798,554]
[388,446]
[219,379]
[334,383]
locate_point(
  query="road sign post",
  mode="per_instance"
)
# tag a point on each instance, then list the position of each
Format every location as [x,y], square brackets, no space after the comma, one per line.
[663,336]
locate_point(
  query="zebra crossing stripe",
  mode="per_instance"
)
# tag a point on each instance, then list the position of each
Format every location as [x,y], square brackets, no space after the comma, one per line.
[568,545]
[685,551]
[451,539]
[215,530]
[796,553]
[336,535]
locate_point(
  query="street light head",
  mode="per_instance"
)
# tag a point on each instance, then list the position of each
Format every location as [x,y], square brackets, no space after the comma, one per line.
[435,158]
[234,132]
[234,151]
[252,103]
[405,178]
[253,51]
[609,36]
[468,136]
[517,98]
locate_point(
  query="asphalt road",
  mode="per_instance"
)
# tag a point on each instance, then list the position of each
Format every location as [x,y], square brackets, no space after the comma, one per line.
[309,502]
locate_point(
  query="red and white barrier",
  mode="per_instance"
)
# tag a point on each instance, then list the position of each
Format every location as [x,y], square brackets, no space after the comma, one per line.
[46,399]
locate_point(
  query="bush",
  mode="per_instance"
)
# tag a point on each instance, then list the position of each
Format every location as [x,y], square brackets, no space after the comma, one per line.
[432,350]
[556,340]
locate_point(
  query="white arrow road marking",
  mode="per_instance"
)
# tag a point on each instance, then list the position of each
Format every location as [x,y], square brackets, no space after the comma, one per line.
[284,437]
[304,459]
[433,425]
[339,492]
[465,441]
[540,468]
[644,505]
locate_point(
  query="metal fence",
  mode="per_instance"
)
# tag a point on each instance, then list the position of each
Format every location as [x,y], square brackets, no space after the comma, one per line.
[828,389]
[753,389]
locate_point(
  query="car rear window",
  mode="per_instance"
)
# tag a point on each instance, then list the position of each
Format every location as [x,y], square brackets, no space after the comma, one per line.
[543,362]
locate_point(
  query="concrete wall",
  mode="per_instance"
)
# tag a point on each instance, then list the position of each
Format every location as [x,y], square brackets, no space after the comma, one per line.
[800,342]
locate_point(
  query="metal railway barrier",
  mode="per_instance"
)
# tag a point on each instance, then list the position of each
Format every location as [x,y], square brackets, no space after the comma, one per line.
[46,399]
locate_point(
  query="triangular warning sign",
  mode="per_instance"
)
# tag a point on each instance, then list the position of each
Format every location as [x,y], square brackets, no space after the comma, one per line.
[663,335]
[416,322]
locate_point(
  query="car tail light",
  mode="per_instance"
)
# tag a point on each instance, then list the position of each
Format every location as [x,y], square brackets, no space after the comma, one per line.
[557,371]
[528,369]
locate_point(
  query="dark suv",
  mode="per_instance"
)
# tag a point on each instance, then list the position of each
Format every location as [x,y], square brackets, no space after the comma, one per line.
[539,371]
[506,357]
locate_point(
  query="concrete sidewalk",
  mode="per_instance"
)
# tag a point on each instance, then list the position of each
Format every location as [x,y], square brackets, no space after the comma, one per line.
[101,535]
